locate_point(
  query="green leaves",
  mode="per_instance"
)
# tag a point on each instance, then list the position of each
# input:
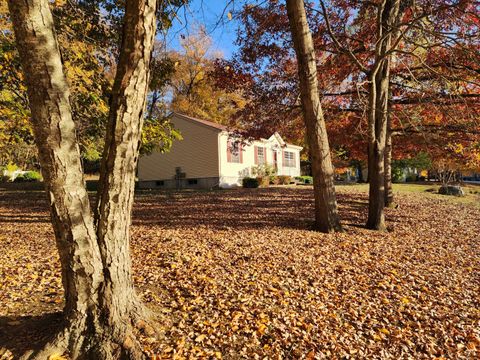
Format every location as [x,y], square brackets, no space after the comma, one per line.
[158,135]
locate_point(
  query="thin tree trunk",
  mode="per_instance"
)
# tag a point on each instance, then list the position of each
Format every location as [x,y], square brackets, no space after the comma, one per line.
[388,166]
[378,115]
[326,214]
[153,104]
[101,308]
[360,172]
[376,217]
[117,174]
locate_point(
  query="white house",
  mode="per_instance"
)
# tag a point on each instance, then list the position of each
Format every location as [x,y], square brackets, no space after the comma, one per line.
[209,156]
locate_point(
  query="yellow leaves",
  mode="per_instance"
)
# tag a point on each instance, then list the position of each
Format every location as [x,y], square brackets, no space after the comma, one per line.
[237,315]
[405,300]
[201,98]
[262,329]
[200,338]
[57,357]
[458,149]
[229,15]
[384,331]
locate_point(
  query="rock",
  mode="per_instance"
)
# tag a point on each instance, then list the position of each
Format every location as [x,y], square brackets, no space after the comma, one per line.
[454,190]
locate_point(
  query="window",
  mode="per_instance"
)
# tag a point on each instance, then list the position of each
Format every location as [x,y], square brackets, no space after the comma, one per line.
[234,152]
[260,155]
[288,159]
[192,181]
[159,183]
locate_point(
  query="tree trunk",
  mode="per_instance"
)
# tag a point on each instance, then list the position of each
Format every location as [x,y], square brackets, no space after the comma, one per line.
[378,114]
[360,172]
[326,215]
[388,166]
[376,149]
[120,156]
[101,309]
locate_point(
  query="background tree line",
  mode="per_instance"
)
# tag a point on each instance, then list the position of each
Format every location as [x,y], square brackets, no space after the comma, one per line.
[89,42]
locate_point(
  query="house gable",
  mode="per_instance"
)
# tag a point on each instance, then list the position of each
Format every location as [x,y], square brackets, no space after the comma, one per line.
[195,156]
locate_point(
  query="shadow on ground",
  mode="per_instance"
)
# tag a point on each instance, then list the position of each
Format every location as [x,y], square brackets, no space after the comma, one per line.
[14,330]
[240,209]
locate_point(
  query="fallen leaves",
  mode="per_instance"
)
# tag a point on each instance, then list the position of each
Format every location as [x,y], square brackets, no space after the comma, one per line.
[239,274]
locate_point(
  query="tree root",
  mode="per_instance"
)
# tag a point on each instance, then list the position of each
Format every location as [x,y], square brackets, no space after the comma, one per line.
[105,342]
[57,346]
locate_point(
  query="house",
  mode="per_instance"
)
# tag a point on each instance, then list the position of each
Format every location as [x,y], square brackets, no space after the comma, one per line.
[210,156]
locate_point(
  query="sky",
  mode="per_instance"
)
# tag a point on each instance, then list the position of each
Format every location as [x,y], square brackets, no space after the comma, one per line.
[214,15]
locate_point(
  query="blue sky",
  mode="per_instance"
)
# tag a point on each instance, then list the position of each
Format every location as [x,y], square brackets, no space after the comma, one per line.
[212,14]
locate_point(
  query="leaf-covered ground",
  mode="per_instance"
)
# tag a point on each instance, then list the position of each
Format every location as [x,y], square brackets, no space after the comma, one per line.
[238,274]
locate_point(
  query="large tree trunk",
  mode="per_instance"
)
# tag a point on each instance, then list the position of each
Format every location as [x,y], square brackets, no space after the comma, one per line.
[326,215]
[101,309]
[379,80]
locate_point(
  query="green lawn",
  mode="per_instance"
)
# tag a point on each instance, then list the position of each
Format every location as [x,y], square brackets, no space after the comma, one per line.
[472,191]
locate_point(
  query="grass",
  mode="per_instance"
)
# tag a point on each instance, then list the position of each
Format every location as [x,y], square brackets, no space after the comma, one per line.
[472,192]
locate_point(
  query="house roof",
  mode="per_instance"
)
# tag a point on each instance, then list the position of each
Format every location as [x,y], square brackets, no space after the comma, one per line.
[221,127]
[203,122]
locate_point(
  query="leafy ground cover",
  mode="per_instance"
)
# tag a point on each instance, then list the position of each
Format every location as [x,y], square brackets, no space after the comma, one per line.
[239,274]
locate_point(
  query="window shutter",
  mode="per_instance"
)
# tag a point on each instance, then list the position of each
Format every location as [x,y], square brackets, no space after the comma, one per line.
[229,151]
[294,159]
[265,155]
[240,150]
[256,154]
[283,158]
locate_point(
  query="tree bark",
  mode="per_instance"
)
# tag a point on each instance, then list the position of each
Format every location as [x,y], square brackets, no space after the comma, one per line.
[117,173]
[389,199]
[101,308]
[379,79]
[326,214]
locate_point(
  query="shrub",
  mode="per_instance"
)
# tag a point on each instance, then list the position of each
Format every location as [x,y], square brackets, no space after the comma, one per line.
[32,176]
[249,182]
[263,170]
[305,179]
[397,174]
[263,181]
[11,168]
[411,178]
[284,179]
[274,180]
[29,176]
